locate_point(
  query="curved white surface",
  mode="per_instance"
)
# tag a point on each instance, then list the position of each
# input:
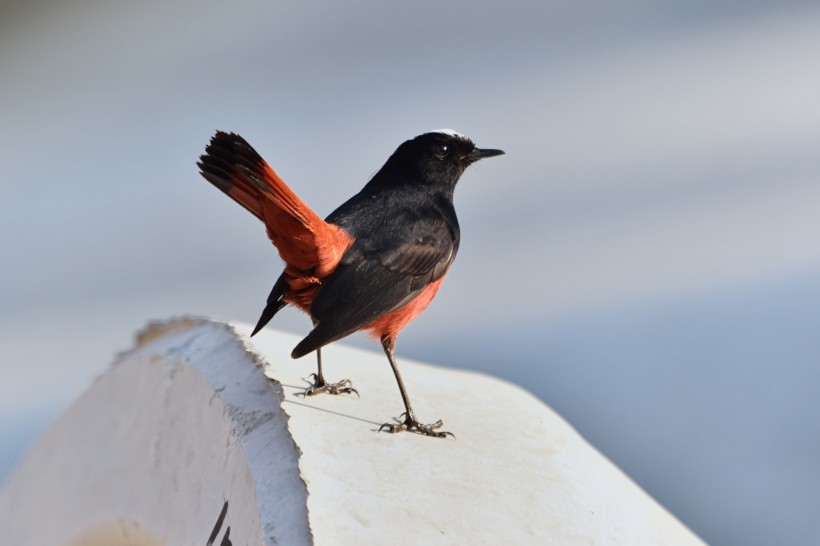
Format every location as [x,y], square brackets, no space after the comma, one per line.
[187,421]
[151,452]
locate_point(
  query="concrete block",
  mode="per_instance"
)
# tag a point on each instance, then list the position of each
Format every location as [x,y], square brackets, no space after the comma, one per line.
[199,435]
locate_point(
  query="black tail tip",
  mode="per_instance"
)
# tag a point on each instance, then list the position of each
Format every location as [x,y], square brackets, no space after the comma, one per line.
[259,325]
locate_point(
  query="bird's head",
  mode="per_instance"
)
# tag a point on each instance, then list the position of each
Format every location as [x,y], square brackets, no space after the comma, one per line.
[437,158]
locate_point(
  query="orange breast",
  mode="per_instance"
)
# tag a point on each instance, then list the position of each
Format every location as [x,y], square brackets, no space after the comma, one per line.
[389,325]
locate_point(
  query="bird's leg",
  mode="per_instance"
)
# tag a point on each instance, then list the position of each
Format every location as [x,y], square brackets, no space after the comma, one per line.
[410,422]
[321,386]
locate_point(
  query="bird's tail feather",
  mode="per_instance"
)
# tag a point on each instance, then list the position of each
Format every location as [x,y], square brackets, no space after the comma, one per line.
[274,304]
[304,240]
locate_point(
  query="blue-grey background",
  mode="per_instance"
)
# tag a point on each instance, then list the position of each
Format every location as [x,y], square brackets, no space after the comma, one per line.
[645,258]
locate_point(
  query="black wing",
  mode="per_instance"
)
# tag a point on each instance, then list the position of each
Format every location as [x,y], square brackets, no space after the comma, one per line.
[380,274]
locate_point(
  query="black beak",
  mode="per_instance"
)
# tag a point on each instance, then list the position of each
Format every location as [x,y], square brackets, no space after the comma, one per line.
[479,153]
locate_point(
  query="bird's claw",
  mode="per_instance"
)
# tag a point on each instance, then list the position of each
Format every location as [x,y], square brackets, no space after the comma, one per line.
[322,387]
[411,424]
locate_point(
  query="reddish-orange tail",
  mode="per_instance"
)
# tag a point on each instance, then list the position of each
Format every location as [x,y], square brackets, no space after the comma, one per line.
[307,244]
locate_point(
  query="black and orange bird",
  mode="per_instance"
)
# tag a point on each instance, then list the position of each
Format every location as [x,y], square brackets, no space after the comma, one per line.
[375,263]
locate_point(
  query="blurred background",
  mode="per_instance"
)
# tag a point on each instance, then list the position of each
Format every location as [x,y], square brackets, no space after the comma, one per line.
[644,259]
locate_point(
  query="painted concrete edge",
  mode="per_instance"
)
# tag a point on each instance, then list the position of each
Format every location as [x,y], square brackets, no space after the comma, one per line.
[256,448]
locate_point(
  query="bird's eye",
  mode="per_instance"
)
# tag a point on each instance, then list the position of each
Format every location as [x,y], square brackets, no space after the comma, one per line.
[441,151]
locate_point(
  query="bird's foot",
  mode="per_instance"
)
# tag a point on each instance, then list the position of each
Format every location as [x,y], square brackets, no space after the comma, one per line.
[411,424]
[320,386]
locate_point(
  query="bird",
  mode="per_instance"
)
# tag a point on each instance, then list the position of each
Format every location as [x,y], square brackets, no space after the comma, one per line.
[374,263]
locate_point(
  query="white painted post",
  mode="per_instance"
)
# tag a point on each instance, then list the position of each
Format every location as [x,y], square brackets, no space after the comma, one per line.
[199,436]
